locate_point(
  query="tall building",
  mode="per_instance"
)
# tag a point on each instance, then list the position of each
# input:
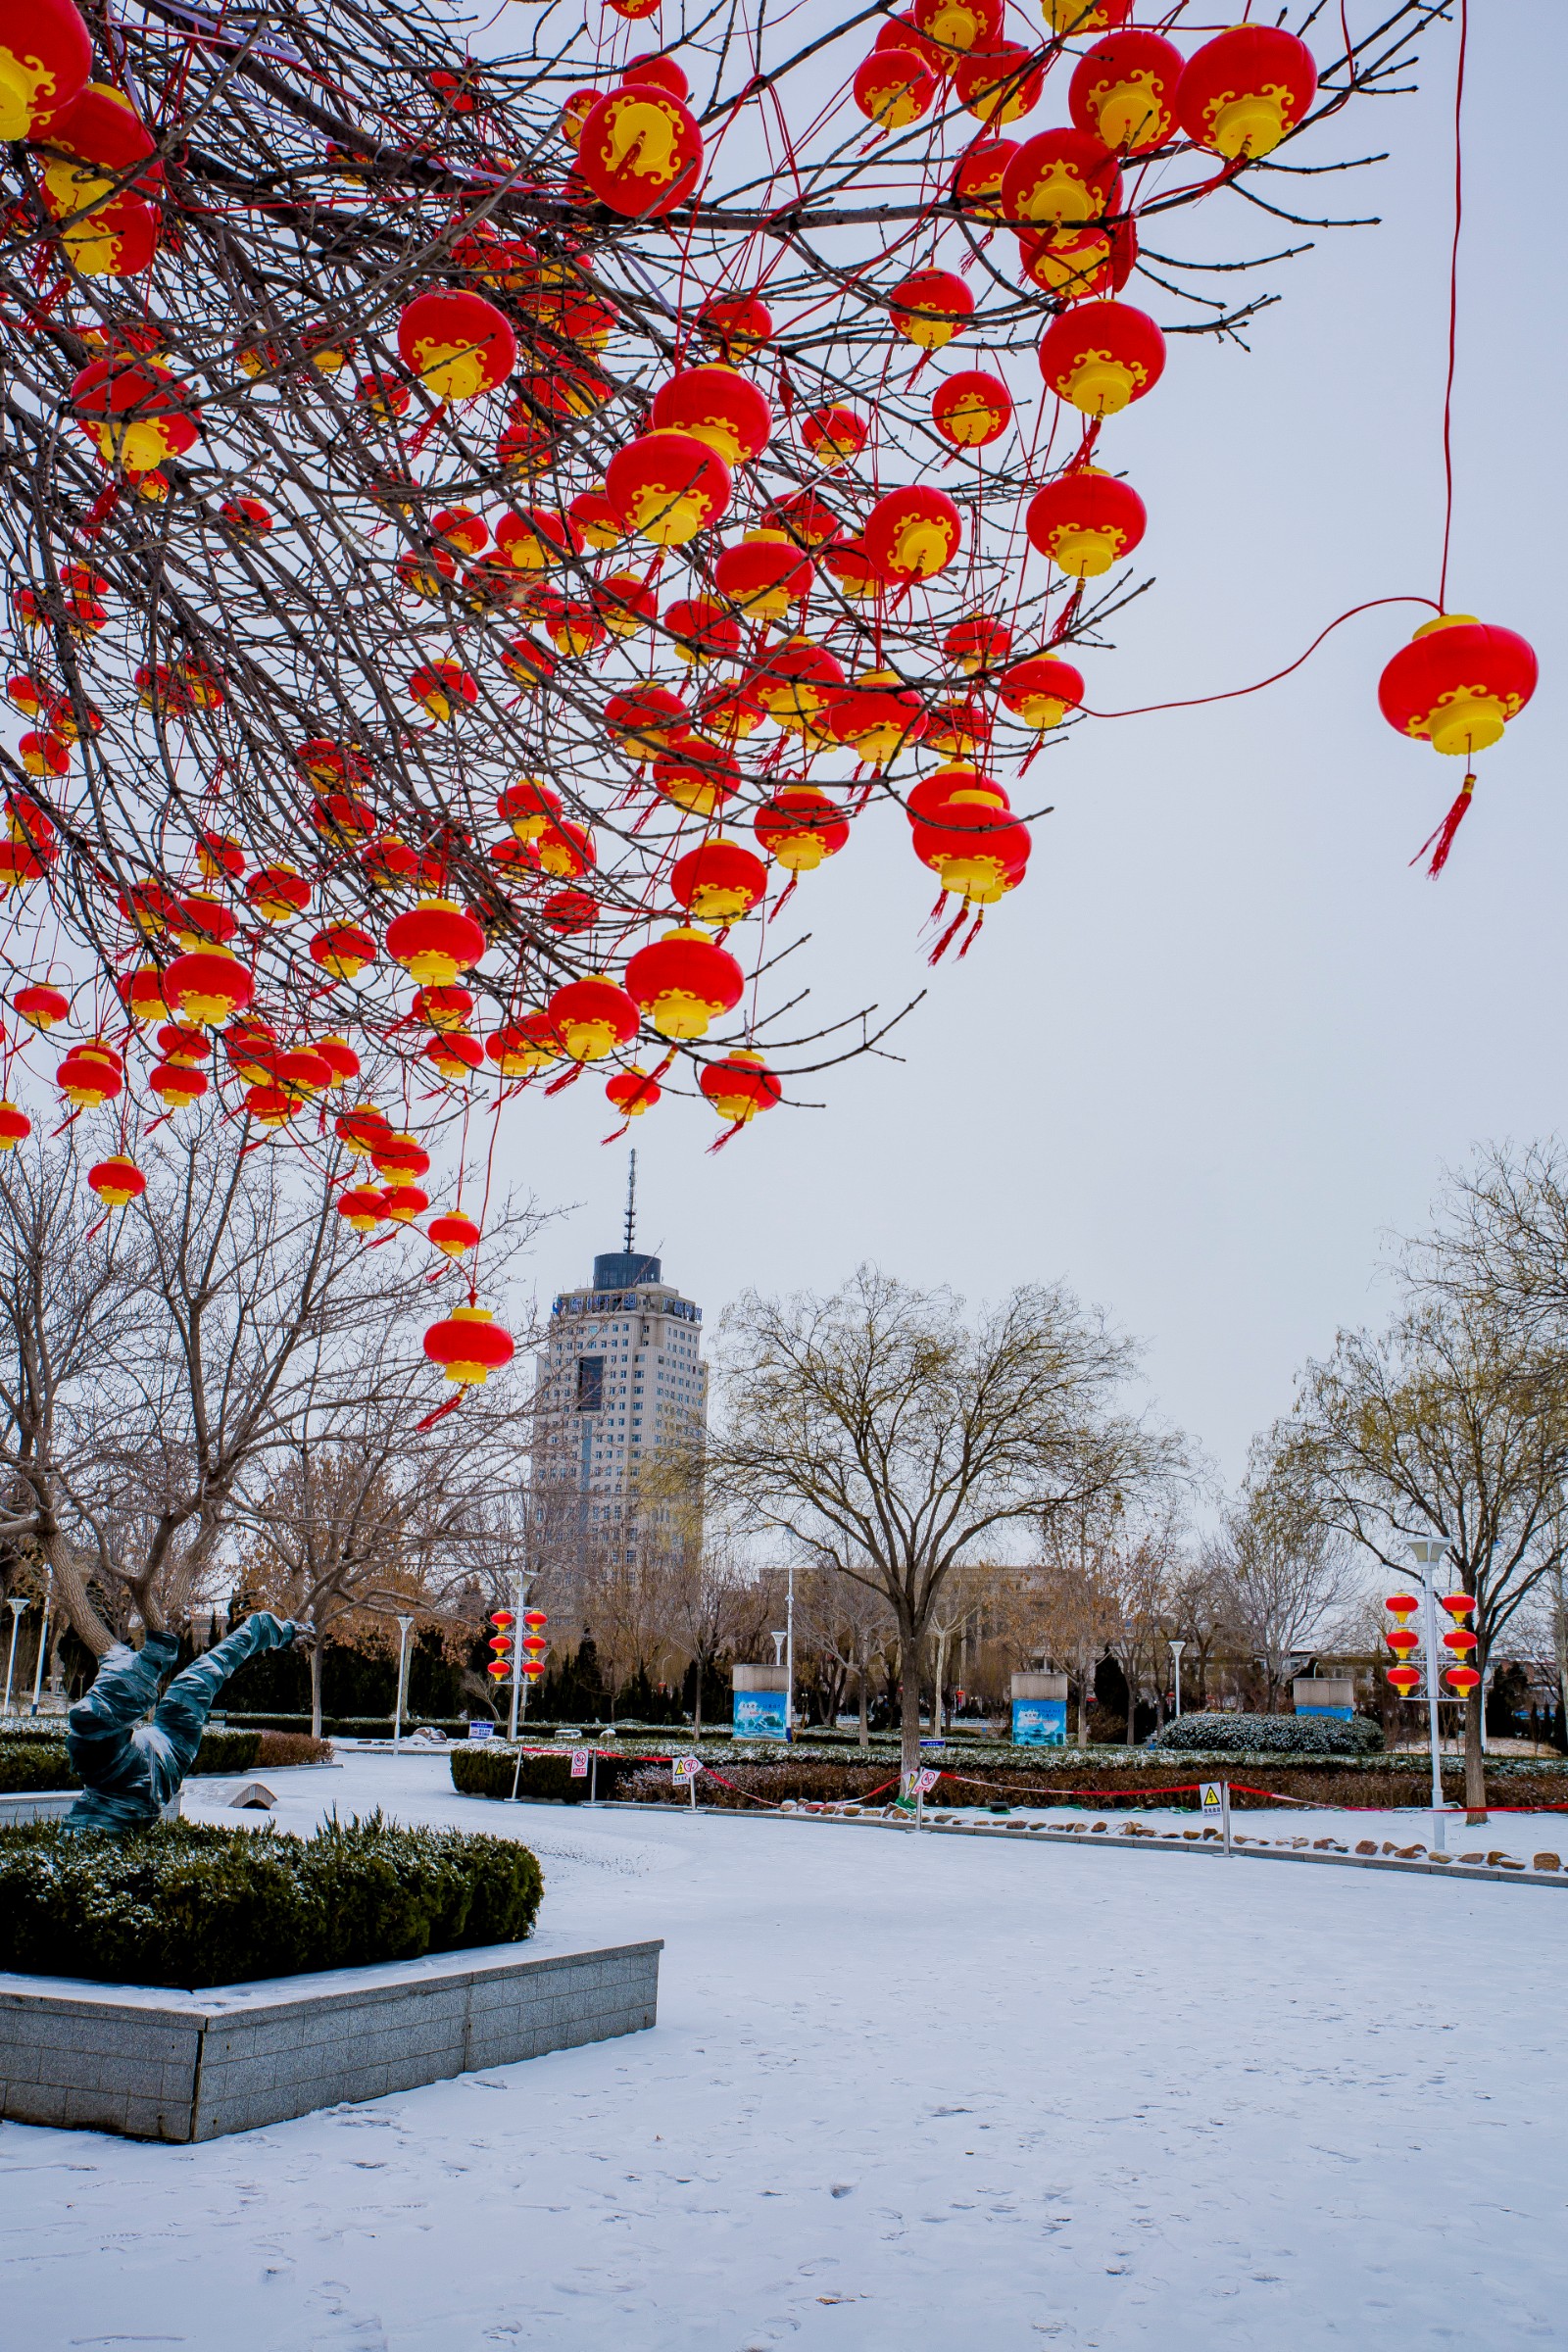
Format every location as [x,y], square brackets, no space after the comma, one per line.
[620,1374]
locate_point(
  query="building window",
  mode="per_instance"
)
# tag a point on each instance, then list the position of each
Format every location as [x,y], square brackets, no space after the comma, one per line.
[590,1384]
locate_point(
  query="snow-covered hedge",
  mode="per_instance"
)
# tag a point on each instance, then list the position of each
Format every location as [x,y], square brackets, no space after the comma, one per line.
[185,1904]
[1269,1735]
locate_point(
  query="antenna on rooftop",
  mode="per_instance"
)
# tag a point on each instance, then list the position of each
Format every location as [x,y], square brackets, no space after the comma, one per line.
[631,1201]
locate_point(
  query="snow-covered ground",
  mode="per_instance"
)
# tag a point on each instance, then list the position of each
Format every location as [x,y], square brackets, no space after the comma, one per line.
[905,2092]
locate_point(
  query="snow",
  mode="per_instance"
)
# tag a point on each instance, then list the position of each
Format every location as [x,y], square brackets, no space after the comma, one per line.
[934,2091]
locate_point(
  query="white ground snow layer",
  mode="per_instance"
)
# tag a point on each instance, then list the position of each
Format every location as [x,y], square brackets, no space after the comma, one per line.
[905,2092]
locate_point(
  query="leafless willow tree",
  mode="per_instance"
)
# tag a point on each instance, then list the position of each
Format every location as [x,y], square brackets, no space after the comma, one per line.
[883,1433]
[1276,1572]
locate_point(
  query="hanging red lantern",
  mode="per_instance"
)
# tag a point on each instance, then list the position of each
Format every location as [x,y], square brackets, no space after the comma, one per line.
[1085,264]
[929,306]
[435,941]
[1061,178]
[1402,1605]
[1462,1680]
[718,882]
[141,992]
[802,516]
[641,152]
[302,1071]
[569,911]
[697,775]
[799,826]
[459,344]
[977,183]
[44,754]
[1102,356]
[442,688]
[999,84]
[117,1182]
[974,845]
[14,1126]
[959,727]
[527,807]
[340,1059]
[176,1084]
[592,1017]
[734,325]
[362,1207]
[893,87]
[1457,684]
[1086,521]
[185,1046]
[45,64]
[443,1007]
[626,604]
[740,1087]
[1123,91]
[1401,1640]
[1461,1641]
[565,851]
[400,1159]
[136,414]
[665,487]
[41,1005]
[960,25]
[1078,16]
[1406,1680]
[730,711]
[406,1204]
[343,950]
[1245,90]
[878,717]
[91,185]
[902,32]
[971,409]
[532,538]
[277,893]
[469,1346]
[455,1058]
[764,576]
[207,986]
[912,534]
[978,642]
[701,629]
[797,684]
[1459,1605]
[834,436]
[632,1091]
[90,1075]
[575,628]
[522,1046]
[453,1234]
[716,406]
[271,1105]
[250,1046]
[360,1129]
[684,982]
[1041,690]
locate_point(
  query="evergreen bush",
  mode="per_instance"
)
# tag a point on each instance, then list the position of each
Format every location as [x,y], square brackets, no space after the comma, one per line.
[488,1770]
[1269,1735]
[183,1904]
[27,1763]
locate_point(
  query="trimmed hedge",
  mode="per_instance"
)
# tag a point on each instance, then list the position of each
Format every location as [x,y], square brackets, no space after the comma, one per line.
[29,1762]
[488,1770]
[1269,1735]
[187,1905]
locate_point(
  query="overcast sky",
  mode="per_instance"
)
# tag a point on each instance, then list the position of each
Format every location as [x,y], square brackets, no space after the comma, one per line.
[1225,1039]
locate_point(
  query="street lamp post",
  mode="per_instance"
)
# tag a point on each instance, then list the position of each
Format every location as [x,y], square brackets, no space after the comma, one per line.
[16,1607]
[789,1657]
[1429,1557]
[1176,1648]
[44,1640]
[404,1624]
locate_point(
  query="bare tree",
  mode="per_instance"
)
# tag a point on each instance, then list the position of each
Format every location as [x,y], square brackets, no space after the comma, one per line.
[1281,1571]
[887,1437]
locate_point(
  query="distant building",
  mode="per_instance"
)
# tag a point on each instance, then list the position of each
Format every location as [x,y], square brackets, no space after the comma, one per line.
[621,1375]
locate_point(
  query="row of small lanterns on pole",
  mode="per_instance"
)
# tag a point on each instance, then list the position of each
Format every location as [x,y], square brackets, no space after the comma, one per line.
[1460,1641]
[536,1645]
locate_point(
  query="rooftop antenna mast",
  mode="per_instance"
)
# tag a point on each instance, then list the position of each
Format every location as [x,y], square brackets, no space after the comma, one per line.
[631,1201]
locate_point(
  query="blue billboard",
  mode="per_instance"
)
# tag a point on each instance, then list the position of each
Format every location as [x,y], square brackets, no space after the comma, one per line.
[761,1714]
[1040,1723]
[1340,1714]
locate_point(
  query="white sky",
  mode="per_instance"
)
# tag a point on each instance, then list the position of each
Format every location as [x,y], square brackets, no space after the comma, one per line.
[1224,1039]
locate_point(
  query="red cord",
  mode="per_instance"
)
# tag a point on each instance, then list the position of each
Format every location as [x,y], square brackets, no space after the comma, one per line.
[1194,702]
[1453,309]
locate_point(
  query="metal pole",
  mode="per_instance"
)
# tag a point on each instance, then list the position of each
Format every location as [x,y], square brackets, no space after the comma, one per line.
[16,1607]
[1176,1648]
[44,1640]
[404,1624]
[1427,1558]
[789,1657]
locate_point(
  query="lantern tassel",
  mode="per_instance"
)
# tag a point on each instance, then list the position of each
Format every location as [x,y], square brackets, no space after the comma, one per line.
[441,1411]
[615,1133]
[949,936]
[1443,836]
[728,1137]
[566,1078]
[974,933]
[784,897]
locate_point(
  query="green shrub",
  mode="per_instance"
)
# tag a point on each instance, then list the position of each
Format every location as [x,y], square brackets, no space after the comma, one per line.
[488,1770]
[1269,1735]
[30,1763]
[26,1764]
[190,1905]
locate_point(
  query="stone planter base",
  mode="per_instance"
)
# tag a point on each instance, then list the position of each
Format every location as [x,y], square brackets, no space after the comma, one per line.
[156,2063]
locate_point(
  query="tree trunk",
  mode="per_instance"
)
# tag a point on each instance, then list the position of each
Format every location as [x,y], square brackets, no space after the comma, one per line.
[911,1673]
[1560,1630]
[865,1706]
[1475,1762]
[316,1690]
[1132,1705]
[697,1707]
[70,1595]
[1085,1672]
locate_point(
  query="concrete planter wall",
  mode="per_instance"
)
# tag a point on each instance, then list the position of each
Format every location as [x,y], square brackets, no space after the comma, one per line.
[156,2063]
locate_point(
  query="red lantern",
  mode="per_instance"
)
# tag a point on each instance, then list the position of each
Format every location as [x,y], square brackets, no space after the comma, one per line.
[799,826]
[1101,356]
[1458,1604]
[764,576]
[524,1046]
[1079,265]
[1245,90]
[978,642]
[90,1075]
[834,436]
[1401,1640]
[646,720]
[1406,1680]
[271,1105]
[631,1093]
[401,1159]
[1041,691]
[363,1208]
[1462,1680]
[665,487]
[697,775]
[797,684]
[972,409]
[117,1182]
[1078,16]
[469,1346]
[959,727]
[977,181]
[973,844]
[454,1233]
[207,986]
[176,1084]
[1461,1641]
[1457,683]
[735,324]
[1123,91]
[999,84]
[455,1057]
[893,87]
[45,60]
[929,307]
[958,25]
[902,32]
[878,717]
[804,517]
[912,534]
[435,941]
[527,807]
[701,629]
[739,1086]
[441,689]
[39,1005]
[1402,1605]
[19,865]
[626,604]
[565,851]
[14,1126]
[569,911]
[459,344]
[532,538]
[95,143]
[684,982]
[718,882]
[1061,178]
[406,1204]
[716,406]
[592,1017]
[250,1046]
[277,893]
[302,1071]
[443,1007]
[135,413]
[359,1130]
[1085,521]
[641,152]
[342,1062]
[343,950]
